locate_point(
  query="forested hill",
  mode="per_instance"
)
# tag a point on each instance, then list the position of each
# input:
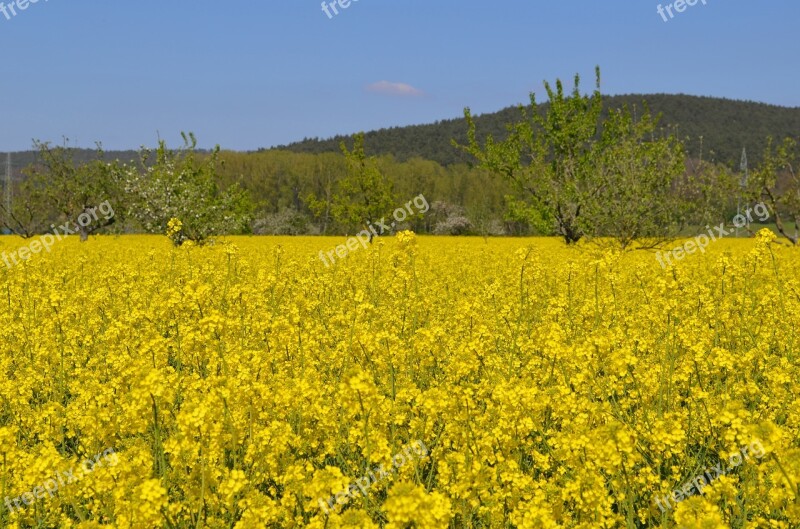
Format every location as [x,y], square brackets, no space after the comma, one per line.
[725,126]
[24,158]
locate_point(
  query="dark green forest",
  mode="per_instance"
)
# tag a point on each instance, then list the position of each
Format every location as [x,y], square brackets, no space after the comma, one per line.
[725,126]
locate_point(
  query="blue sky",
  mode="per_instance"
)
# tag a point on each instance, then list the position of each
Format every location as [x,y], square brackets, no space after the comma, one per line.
[250,74]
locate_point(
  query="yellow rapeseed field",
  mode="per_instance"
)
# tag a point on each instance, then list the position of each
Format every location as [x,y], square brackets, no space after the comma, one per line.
[418,383]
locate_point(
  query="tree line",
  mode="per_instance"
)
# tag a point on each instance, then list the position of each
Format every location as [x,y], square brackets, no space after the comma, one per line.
[571,167]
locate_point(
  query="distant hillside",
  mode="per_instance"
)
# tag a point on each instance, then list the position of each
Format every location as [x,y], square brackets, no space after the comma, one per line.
[20,160]
[725,126]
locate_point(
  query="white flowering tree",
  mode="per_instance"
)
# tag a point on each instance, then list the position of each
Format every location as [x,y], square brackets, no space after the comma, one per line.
[182,185]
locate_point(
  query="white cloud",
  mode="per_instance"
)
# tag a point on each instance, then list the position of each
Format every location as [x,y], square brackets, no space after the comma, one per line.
[394,89]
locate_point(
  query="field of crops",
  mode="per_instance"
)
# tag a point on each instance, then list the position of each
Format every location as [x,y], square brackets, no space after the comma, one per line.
[418,383]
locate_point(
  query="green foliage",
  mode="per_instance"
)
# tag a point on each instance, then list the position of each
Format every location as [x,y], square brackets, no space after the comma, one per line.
[593,176]
[522,218]
[636,172]
[29,213]
[179,184]
[364,195]
[777,183]
[708,191]
[549,159]
[62,190]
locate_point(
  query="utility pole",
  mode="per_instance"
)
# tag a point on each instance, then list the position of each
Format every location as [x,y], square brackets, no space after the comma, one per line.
[742,183]
[8,191]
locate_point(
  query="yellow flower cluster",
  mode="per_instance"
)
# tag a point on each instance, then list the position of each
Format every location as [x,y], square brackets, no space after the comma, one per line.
[406,236]
[240,382]
[174,226]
